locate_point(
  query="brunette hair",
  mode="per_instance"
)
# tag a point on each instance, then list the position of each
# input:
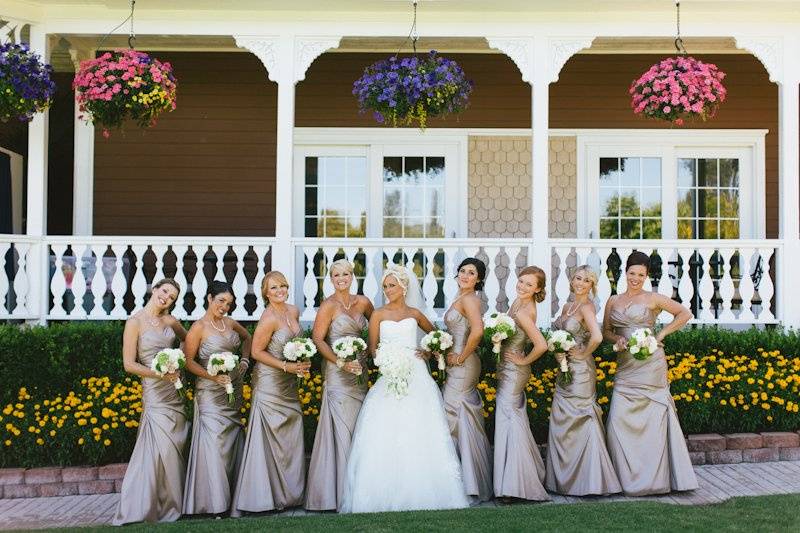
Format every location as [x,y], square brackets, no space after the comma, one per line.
[638,258]
[541,280]
[479,265]
[172,283]
[219,287]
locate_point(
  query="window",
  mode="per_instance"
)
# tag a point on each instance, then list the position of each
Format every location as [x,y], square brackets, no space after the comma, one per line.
[335,196]
[413,196]
[699,184]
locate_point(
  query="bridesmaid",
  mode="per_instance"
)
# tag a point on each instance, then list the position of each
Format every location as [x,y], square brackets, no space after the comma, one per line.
[518,467]
[577,460]
[217,436]
[152,490]
[273,469]
[462,402]
[340,315]
[644,437]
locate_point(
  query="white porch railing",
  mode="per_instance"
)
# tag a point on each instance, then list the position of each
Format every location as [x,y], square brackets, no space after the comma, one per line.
[103,278]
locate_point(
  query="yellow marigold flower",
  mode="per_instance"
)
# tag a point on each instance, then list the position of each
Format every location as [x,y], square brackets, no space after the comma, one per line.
[107,442]
[39,441]
[765,406]
[7,442]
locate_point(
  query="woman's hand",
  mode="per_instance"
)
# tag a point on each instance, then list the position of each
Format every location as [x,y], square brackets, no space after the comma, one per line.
[221,379]
[561,356]
[621,345]
[243,366]
[298,369]
[454,359]
[172,377]
[353,367]
[514,357]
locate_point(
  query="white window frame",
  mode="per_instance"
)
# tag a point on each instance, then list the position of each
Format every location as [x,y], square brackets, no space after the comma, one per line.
[374,144]
[669,145]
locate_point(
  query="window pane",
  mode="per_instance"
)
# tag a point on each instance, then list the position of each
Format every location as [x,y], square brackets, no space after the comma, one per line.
[651,228]
[716,197]
[334,225]
[311,170]
[609,175]
[686,173]
[434,203]
[629,203]
[686,229]
[729,173]
[435,170]
[609,228]
[651,171]
[333,171]
[392,167]
[335,190]
[609,202]
[707,173]
[414,198]
[414,167]
[357,171]
[311,200]
[729,204]
[414,227]
[311,227]
[630,229]
[392,227]
[651,202]
[357,225]
[434,228]
[392,201]
[729,229]
[630,172]
[707,203]
[686,203]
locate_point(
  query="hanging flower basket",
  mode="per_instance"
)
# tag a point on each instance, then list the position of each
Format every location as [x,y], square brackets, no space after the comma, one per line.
[412,90]
[123,85]
[678,88]
[25,84]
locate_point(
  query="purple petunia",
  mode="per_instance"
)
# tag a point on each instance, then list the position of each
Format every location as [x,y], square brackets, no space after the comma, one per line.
[26,86]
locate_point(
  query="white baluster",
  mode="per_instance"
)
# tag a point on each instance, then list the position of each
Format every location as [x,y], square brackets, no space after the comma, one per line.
[310,283]
[261,263]
[491,285]
[582,255]
[622,282]
[747,263]
[240,282]
[429,285]
[450,286]
[159,250]
[119,285]
[139,283]
[58,284]
[219,252]
[706,286]
[373,264]
[510,286]
[98,282]
[180,278]
[686,289]
[766,289]
[325,270]
[664,285]
[726,288]
[4,281]
[22,282]
[603,283]
[561,285]
[79,281]
[199,281]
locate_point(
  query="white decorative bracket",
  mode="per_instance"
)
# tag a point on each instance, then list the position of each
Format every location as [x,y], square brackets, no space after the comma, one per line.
[265,48]
[11,30]
[768,50]
[307,49]
[519,49]
[77,55]
[560,49]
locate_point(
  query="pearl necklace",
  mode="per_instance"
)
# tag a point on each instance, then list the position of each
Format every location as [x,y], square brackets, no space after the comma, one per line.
[350,303]
[152,319]
[571,311]
[211,319]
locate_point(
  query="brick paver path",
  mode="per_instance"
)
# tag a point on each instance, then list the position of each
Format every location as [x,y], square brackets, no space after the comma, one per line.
[717,484]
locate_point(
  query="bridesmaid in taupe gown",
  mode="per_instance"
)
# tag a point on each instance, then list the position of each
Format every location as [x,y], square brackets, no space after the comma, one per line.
[217,435]
[462,402]
[341,315]
[578,463]
[273,469]
[644,436]
[518,467]
[152,490]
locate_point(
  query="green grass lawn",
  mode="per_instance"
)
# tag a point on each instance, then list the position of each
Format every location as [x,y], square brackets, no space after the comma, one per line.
[762,513]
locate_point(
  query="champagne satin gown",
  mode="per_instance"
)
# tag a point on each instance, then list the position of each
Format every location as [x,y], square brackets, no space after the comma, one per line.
[273,469]
[518,467]
[644,437]
[152,490]
[578,463]
[217,435]
[341,402]
[464,407]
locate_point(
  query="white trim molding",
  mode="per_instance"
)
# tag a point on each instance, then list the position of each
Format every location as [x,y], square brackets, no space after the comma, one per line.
[768,50]
[265,49]
[519,50]
[561,49]
[307,49]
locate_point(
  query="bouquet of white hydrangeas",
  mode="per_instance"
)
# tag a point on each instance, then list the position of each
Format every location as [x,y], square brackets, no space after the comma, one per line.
[348,349]
[498,327]
[561,342]
[299,349]
[395,364]
[168,361]
[223,363]
[642,344]
[438,343]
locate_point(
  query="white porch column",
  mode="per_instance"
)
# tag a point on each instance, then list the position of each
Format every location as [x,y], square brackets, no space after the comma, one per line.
[83,163]
[36,212]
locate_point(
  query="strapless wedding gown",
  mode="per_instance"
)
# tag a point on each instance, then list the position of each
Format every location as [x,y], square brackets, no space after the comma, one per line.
[402,457]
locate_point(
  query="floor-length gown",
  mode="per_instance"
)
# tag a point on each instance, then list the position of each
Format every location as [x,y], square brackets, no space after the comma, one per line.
[402,457]
[518,467]
[152,490]
[644,437]
[464,409]
[341,401]
[217,435]
[273,469]
[578,463]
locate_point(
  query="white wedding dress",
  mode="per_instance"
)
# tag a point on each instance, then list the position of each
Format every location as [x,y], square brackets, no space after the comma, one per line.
[402,456]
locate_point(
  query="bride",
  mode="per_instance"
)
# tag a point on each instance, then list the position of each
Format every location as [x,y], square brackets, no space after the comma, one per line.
[402,457]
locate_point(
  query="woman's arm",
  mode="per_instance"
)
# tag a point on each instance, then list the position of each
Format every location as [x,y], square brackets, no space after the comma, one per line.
[322,323]
[247,345]
[130,346]
[422,320]
[472,311]
[192,345]
[680,313]
[368,307]
[528,325]
[374,331]
[589,318]
[608,330]
[177,327]
[261,337]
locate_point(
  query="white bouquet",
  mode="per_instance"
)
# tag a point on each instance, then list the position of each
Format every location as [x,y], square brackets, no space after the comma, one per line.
[348,349]
[497,328]
[299,349]
[438,343]
[561,342]
[168,361]
[223,363]
[642,344]
[395,364]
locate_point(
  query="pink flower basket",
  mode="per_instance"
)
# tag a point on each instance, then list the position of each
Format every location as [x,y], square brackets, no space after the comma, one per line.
[678,88]
[124,85]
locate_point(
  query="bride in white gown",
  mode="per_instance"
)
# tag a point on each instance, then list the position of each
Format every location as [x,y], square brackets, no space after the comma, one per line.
[402,457]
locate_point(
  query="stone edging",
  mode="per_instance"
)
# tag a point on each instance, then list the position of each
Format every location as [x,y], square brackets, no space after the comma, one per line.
[707,448]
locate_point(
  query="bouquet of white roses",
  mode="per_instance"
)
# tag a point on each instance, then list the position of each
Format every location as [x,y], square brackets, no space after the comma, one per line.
[497,328]
[223,363]
[438,343]
[561,342]
[348,349]
[395,364]
[167,361]
[299,349]
[642,344]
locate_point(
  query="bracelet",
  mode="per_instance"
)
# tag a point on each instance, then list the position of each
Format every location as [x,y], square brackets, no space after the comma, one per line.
[284,366]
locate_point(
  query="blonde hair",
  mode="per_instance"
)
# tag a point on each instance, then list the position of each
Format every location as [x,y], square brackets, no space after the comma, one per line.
[399,273]
[273,274]
[541,280]
[342,265]
[590,273]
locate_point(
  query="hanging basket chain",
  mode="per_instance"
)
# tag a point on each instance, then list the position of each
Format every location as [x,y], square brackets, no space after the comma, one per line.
[131,36]
[412,35]
[678,41]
